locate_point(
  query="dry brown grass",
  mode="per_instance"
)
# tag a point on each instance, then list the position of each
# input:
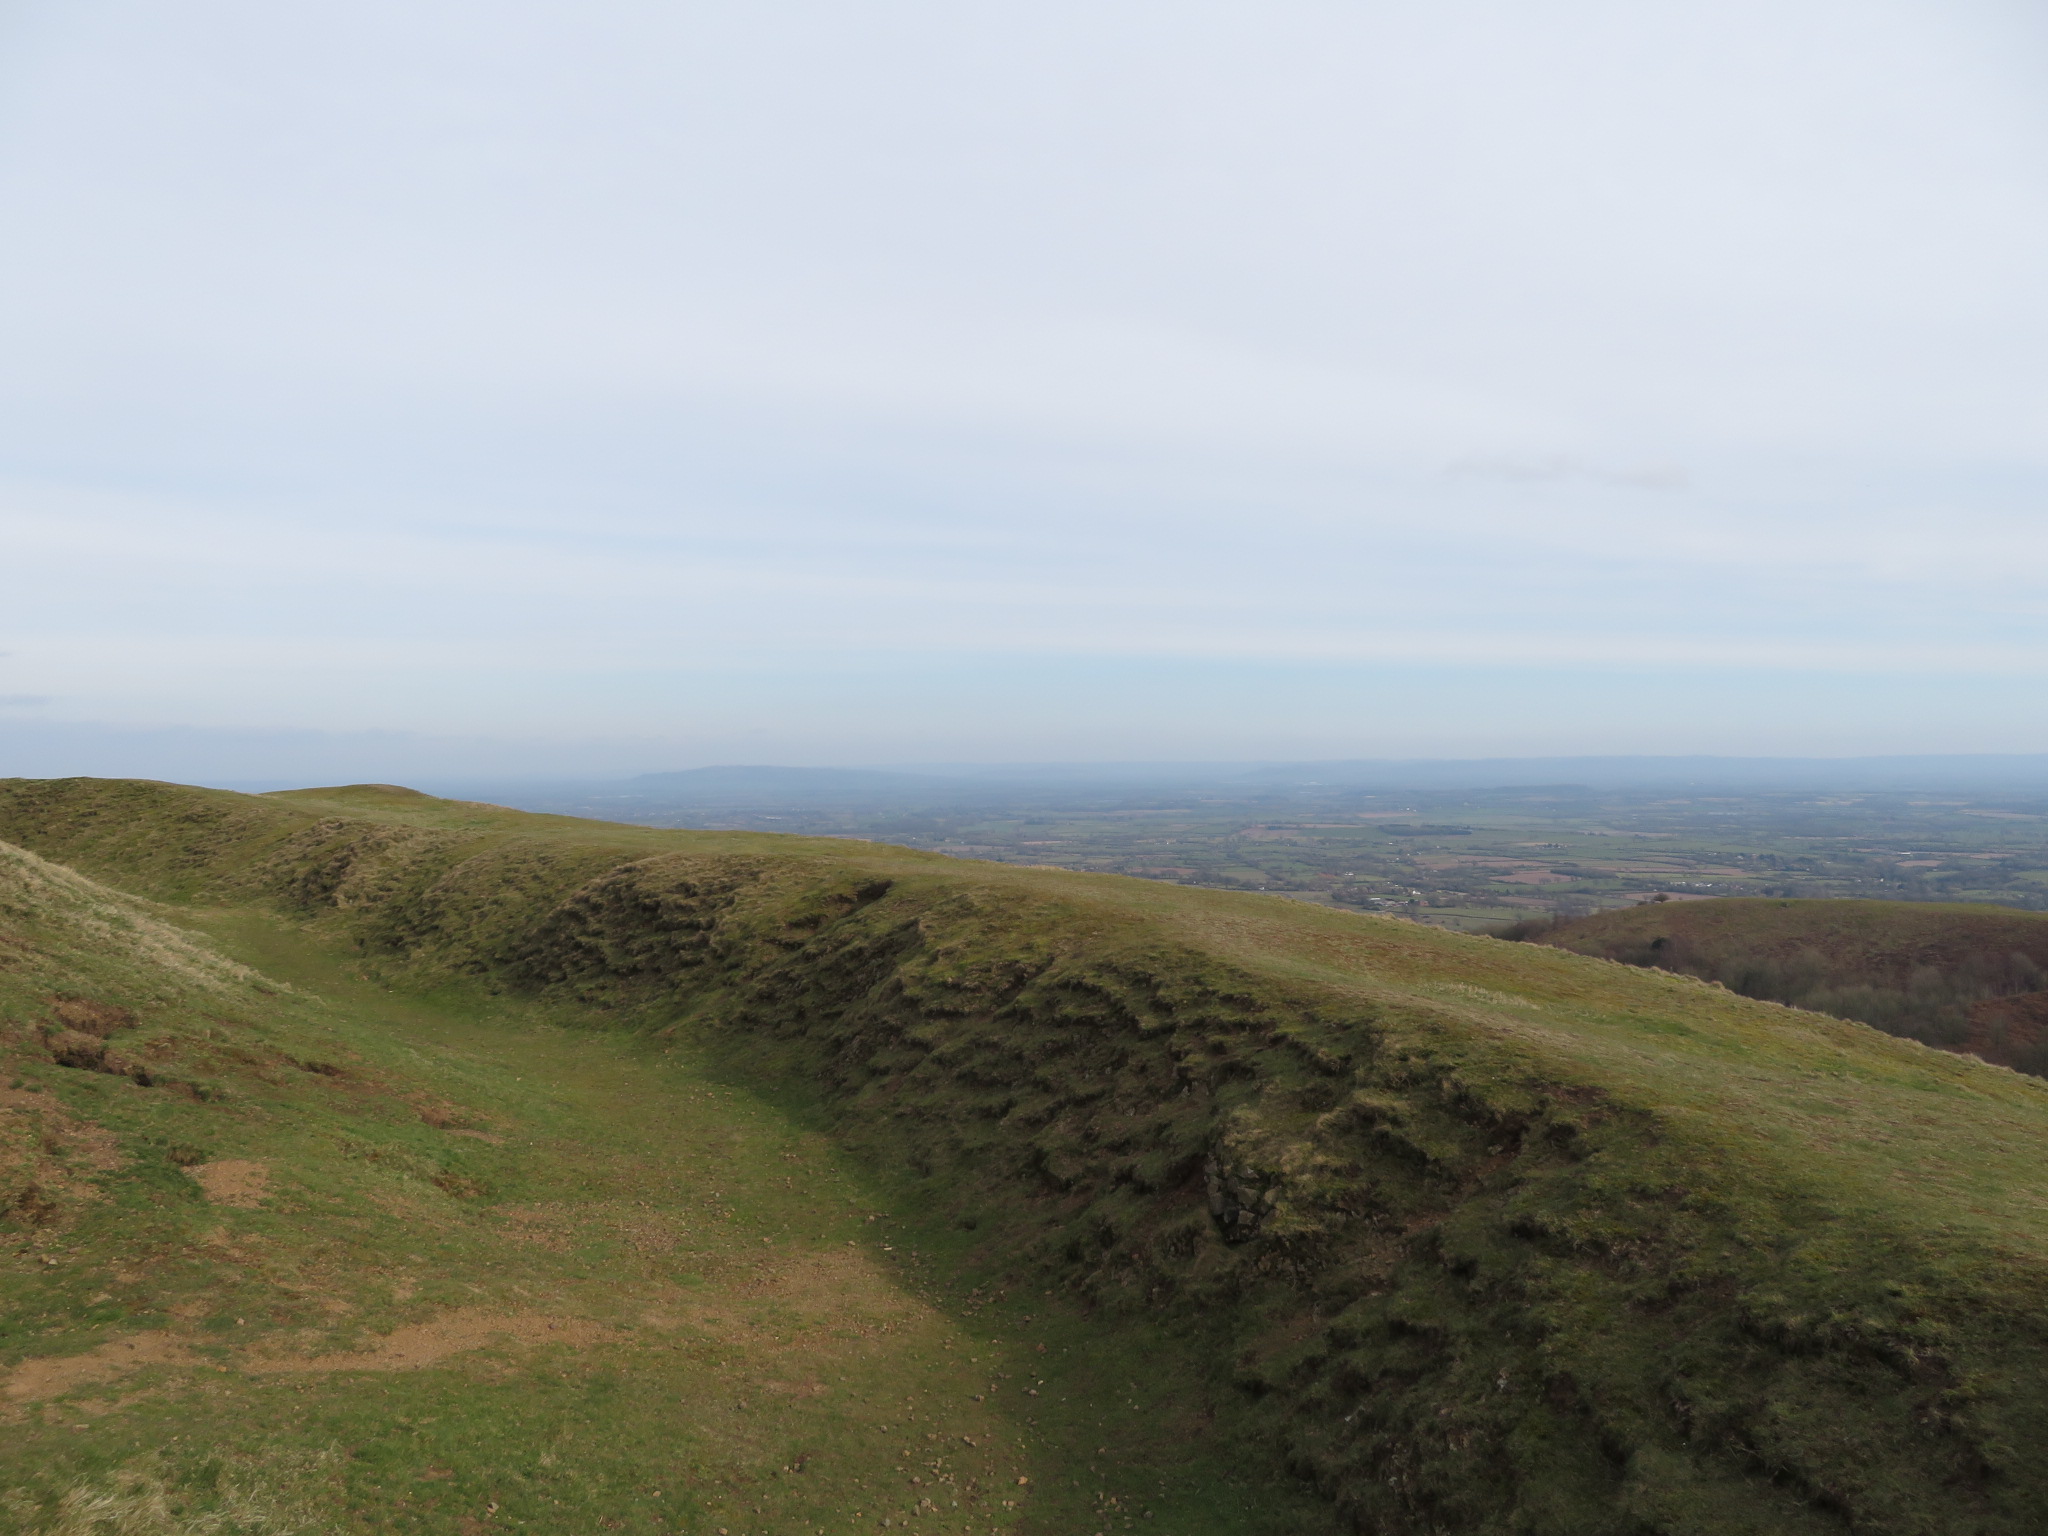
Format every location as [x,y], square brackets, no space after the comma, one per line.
[232,1181]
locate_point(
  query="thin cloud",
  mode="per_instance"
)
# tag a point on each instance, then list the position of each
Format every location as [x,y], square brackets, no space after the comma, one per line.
[1550,469]
[383,364]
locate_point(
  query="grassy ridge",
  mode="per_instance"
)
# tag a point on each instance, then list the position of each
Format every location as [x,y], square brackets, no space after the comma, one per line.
[1959,977]
[284,1250]
[1500,1238]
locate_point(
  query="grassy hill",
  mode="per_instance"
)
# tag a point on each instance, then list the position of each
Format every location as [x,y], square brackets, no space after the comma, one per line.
[287,1250]
[524,1175]
[1962,977]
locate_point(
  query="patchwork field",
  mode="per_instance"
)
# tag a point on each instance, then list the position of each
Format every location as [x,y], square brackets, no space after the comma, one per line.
[1468,860]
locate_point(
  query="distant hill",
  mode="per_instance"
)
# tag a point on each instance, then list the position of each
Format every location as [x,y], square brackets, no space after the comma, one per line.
[1055,784]
[1980,772]
[766,787]
[757,784]
[1961,977]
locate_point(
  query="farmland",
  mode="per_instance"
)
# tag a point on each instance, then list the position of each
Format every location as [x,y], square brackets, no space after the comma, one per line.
[1469,859]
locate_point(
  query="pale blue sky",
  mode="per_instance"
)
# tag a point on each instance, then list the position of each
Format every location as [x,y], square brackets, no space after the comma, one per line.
[631,385]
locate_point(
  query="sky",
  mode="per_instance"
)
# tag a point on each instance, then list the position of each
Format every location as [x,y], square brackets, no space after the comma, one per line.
[511,387]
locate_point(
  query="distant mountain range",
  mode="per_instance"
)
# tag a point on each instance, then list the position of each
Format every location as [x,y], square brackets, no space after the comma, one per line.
[960,784]
[753,783]
[1931,771]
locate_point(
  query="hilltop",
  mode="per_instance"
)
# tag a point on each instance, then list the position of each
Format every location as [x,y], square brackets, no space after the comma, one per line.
[1962,977]
[1473,1237]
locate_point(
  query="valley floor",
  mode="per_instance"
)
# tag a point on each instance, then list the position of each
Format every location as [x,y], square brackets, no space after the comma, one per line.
[457,1264]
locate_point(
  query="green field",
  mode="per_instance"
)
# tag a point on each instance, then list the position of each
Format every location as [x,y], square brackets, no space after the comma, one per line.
[1460,859]
[381,1163]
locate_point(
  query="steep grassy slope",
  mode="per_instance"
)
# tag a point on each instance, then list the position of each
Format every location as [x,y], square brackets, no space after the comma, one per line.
[1488,1238]
[1960,977]
[313,1256]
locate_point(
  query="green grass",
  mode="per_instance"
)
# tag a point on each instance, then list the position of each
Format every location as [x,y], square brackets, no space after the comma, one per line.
[1475,1237]
[757,1335]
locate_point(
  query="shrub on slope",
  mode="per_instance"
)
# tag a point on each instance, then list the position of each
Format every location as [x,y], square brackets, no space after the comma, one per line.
[1497,1238]
[1962,978]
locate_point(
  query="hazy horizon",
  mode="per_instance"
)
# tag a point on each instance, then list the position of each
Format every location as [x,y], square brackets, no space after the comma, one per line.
[280,760]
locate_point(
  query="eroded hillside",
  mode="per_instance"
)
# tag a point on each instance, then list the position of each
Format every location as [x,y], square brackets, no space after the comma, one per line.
[1475,1237]
[287,1251]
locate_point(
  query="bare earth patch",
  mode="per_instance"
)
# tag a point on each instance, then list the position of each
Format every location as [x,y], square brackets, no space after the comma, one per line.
[48,1157]
[233,1181]
[422,1344]
[34,1380]
[403,1349]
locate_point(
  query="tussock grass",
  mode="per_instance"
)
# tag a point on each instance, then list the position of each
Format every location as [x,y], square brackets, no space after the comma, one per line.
[279,1495]
[37,895]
